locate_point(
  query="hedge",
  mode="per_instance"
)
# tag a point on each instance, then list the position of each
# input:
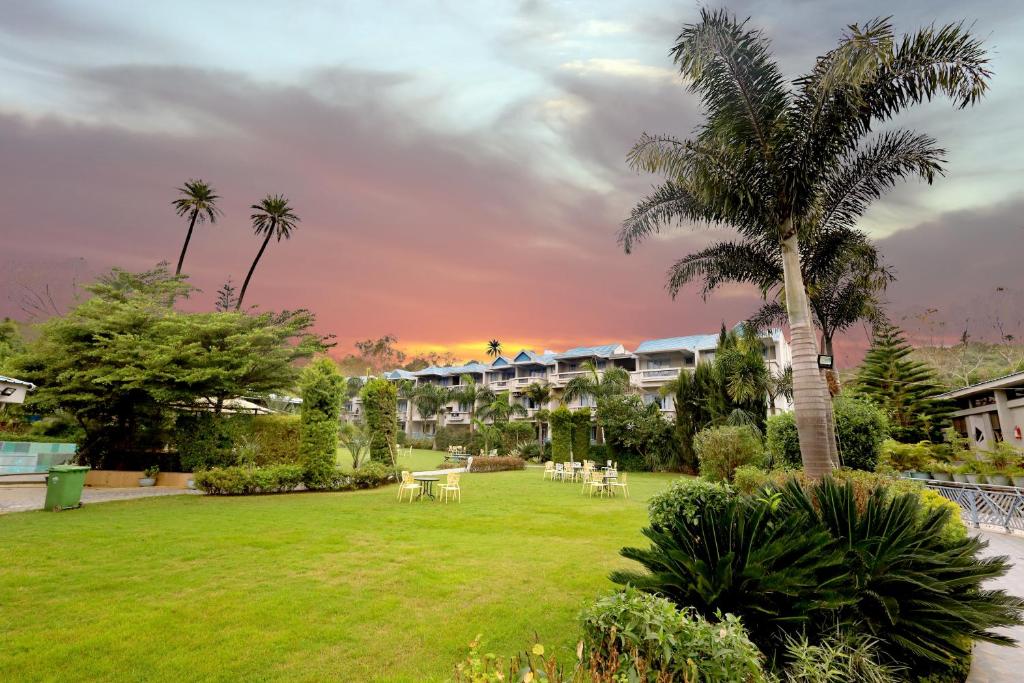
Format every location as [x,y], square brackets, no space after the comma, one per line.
[322,386]
[243,481]
[561,433]
[497,464]
[581,434]
[380,411]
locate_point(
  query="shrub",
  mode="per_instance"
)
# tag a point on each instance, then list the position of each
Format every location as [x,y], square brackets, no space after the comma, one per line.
[840,657]
[371,475]
[643,637]
[861,429]
[688,499]
[749,479]
[419,444]
[517,436]
[380,411]
[322,386]
[236,481]
[497,463]
[447,436]
[561,433]
[720,450]
[320,460]
[203,441]
[531,451]
[581,434]
[782,441]
[277,438]
[32,438]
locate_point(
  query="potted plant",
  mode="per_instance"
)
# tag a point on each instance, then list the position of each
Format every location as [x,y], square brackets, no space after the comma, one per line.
[940,471]
[999,477]
[960,472]
[1017,477]
[976,472]
[149,476]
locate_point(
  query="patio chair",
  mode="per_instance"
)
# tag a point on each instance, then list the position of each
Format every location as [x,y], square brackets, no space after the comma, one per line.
[549,469]
[409,484]
[452,485]
[621,482]
[596,483]
[559,471]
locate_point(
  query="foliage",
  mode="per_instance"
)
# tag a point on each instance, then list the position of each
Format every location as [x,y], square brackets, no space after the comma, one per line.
[525,667]
[11,342]
[688,499]
[720,450]
[581,434]
[750,479]
[357,439]
[31,438]
[371,475]
[271,217]
[970,361]
[151,472]
[643,637]
[244,481]
[905,389]
[837,659]
[322,386]
[636,433]
[515,436]
[903,457]
[202,441]
[861,429]
[497,463]
[501,409]
[561,434]
[380,412]
[685,399]
[198,201]
[739,360]
[277,437]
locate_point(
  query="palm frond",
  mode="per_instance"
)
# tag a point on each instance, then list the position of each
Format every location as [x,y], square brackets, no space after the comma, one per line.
[752,262]
[669,203]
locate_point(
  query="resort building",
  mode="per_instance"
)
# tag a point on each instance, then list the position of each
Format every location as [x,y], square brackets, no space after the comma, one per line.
[991,411]
[651,365]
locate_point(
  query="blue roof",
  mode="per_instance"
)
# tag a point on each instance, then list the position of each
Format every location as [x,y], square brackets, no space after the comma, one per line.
[455,370]
[527,356]
[589,351]
[694,342]
[398,373]
[499,361]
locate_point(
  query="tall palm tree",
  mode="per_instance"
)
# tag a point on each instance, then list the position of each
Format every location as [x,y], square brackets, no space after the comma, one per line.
[272,217]
[540,394]
[430,400]
[198,201]
[494,348]
[597,384]
[778,163]
[500,410]
[471,393]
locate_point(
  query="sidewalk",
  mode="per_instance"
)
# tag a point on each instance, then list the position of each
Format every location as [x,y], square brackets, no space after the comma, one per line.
[992,663]
[31,497]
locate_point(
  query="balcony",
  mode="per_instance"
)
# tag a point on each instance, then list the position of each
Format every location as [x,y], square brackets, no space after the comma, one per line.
[499,384]
[656,375]
[523,382]
[457,418]
[560,379]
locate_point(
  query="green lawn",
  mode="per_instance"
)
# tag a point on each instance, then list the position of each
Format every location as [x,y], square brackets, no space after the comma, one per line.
[327,586]
[419,460]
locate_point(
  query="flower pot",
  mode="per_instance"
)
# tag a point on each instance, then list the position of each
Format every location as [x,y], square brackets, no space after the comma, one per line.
[975,478]
[999,479]
[147,481]
[942,476]
[960,477]
[1018,480]
[918,475]
[190,484]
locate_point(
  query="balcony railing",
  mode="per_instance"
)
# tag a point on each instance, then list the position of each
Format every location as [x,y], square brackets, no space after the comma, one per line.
[457,418]
[499,384]
[657,374]
[1001,506]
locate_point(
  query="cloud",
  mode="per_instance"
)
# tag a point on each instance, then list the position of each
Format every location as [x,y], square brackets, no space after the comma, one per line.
[619,68]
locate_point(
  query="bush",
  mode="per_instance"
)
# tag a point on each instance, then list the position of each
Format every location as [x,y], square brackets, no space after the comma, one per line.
[561,434]
[749,479]
[581,434]
[419,444]
[371,475]
[32,438]
[322,386]
[515,436]
[688,499]
[447,436]
[861,429]
[531,451]
[632,634]
[901,457]
[277,437]
[380,411]
[497,463]
[202,441]
[240,481]
[720,450]
[840,657]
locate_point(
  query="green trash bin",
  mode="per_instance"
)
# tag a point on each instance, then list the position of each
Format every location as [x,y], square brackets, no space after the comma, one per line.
[64,487]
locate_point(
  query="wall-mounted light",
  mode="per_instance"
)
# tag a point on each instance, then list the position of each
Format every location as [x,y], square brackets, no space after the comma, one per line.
[825,362]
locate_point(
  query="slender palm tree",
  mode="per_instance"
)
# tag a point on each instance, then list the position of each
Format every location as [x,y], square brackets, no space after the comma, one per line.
[471,393]
[778,163]
[198,201]
[540,394]
[596,384]
[501,409]
[430,400]
[272,217]
[494,348]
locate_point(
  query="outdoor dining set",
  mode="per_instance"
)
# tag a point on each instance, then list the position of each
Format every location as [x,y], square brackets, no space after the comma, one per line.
[604,481]
[420,486]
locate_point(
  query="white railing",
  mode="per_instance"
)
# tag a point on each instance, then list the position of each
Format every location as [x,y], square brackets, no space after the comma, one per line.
[457,417]
[1001,506]
[499,384]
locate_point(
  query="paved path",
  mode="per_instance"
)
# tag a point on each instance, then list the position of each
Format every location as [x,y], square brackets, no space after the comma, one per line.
[993,663]
[31,497]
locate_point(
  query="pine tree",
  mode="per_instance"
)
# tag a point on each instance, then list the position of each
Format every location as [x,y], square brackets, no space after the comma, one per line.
[906,389]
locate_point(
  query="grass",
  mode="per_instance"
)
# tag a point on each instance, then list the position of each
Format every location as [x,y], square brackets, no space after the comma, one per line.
[309,587]
[418,460]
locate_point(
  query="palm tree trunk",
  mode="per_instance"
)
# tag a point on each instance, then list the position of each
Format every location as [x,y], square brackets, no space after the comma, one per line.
[810,396]
[188,236]
[245,285]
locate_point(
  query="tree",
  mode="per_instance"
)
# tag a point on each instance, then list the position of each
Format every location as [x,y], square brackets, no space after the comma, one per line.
[781,164]
[581,434]
[322,386]
[11,342]
[430,400]
[686,401]
[744,374]
[494,348]
[501,409]
[471,393]
[597,384]
[540,394]
[561,434]
[198,201]
[905,388]
[380,412]
[271,217]
[227,298]
[636,432]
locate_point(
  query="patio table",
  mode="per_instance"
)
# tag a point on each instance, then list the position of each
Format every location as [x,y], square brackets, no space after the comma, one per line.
[428,486]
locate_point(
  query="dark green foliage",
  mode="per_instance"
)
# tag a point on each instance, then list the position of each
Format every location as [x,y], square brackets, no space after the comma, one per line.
[637,434]
[861,428]
[686,399]
[561,434]
[322,387]
[277,437]
[371,475]
[581,434]
[905,389]
[772,568]
[380,411]
[202,441]
[244,481]
[720,450]
[11,342]
[497,463]
[688,499]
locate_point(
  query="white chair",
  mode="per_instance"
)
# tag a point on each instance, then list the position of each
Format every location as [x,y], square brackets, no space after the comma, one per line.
[596,483]
[452,486]
[549,469]
[409,484]
[620,482]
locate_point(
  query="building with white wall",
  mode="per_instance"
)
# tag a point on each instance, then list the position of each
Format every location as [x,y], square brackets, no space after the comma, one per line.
[990,411]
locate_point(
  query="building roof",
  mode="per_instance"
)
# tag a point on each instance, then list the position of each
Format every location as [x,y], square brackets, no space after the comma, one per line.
[530,357]
[694,342]
[603,351]
[399,373]
[454,370]
[11,380]
[1011,380]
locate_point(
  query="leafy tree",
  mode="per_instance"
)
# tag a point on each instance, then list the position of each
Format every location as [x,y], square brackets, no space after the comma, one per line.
[781,164]
[11,342]
[905,389]
[636,433]
[686,401]
[198,201]
[494,348]
[272,217]
[597,384]
[540,394]
[322,386]
[501,409]
[227,298]
[430,400]
[472,394]
[380,412]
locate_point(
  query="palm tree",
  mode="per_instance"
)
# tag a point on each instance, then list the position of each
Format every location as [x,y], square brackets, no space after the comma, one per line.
[494,348]
[500,410]
[272,217]
[593,382]
[199,202]
[540,394]
[430,400]
[471,393]
[779,164]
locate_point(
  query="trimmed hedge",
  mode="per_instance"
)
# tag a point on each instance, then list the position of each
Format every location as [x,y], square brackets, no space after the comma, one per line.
[322,386]
[561,433]
[247,481]
[380,411]
[581,434]
[497,464]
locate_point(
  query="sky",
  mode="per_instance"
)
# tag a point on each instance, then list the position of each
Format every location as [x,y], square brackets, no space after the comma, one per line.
[458,167]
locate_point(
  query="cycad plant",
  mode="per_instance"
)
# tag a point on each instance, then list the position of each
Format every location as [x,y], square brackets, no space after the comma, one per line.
[783,164]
